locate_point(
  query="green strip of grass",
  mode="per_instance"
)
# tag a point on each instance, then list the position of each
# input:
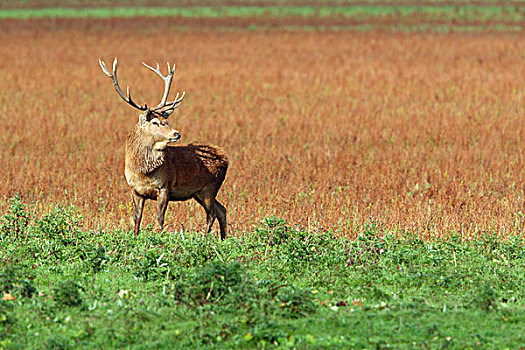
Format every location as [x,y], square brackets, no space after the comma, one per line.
[406,28]
[453,12]
[278,286]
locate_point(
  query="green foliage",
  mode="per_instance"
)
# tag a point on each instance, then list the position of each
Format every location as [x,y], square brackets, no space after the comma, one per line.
[62,222]
[13,280]
[95,258]
[153,266]
[16,221]
[483,297]
[367,249]
[277,287]
[212,282]
[264,333]
[295,302]
[273,230]
[67,293]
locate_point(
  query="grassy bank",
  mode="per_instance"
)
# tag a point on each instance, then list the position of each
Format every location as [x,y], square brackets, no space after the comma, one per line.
[463,12]
[277,286]
[408,15]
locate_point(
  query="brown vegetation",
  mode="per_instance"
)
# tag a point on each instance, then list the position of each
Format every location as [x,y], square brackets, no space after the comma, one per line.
[414,131]
[416,22]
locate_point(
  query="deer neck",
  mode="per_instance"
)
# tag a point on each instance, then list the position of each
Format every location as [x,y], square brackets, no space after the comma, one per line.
[142,153]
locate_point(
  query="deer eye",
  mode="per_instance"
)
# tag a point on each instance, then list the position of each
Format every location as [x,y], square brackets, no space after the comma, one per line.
[155,123]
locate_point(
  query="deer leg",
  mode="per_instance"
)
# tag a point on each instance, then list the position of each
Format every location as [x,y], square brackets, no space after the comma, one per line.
[209,206]
[138,205]
[210,213]
[162,201]
[220,210]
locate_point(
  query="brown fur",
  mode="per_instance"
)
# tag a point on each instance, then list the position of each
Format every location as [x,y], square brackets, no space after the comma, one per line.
[174,173]
[162,173]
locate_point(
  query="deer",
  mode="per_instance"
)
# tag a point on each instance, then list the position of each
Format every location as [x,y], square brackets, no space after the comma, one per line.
[157,170]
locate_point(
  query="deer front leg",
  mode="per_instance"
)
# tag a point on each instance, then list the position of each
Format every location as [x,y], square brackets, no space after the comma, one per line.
[208,203]
[138,204]
[162,200]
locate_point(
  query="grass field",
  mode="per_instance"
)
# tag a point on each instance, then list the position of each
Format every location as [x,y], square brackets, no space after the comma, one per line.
[375,195]
[440,16]
[418,132]
[277,287]
[248,3]
[510,13]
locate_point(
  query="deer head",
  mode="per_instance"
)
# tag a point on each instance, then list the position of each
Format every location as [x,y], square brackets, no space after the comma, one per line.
[153,120]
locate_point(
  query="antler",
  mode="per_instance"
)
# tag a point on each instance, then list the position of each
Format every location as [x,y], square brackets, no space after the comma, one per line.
[117,86]
[167,107]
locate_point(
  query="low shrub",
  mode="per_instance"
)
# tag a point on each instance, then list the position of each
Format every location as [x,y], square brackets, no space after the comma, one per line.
[67,293]
[17,282]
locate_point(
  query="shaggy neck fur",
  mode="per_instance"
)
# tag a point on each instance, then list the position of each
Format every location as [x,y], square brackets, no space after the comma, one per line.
[141,153]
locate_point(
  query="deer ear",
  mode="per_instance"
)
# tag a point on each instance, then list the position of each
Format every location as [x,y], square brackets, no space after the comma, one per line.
[144,117]
[167,113]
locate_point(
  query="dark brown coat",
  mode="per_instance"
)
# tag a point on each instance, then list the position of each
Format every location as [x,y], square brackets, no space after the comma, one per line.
[165,173]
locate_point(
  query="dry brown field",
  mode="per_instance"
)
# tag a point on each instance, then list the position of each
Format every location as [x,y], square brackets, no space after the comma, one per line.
[332,130]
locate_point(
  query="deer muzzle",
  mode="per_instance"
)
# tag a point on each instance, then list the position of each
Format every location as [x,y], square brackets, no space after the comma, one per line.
[176,136]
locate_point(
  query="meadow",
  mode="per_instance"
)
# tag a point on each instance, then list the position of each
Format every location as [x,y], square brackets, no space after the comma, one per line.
[275,287]
[437,16]
[375,194]
[418,132]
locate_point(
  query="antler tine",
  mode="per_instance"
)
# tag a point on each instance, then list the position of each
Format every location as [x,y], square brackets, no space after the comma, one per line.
[170,106]
[177,101]
[104,69]
[167,82]
[117,86]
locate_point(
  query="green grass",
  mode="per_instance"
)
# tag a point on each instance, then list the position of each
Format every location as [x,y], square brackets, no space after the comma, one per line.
[186,3]
[397,17]
[465,12]
[279,286]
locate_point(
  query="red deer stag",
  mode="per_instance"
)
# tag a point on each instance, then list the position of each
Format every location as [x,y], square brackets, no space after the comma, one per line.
[165,173]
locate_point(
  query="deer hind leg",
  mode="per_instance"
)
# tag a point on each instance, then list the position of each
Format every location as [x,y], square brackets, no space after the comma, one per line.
[220,210]
[138,205]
